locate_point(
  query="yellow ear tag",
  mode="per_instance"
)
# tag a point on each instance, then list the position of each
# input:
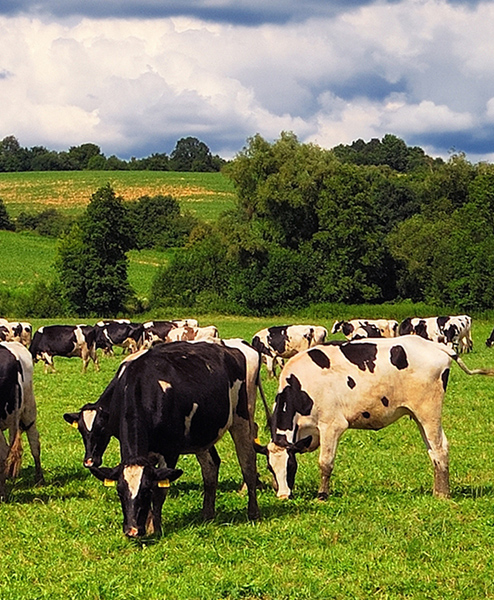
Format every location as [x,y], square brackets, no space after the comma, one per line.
[164,484]
[257,441]
[75,424]
[109,483]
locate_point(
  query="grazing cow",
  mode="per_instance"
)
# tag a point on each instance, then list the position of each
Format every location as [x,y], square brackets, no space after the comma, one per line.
[359,328]
[64,340]
[284,341]
[156,331]
[456,330]
[188,334]
[361,384]
[121,333]
[172,399]
[17,411]
[15,331]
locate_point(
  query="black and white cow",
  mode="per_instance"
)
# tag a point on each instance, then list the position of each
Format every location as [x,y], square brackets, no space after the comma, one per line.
[454,330]
[64,340]
[360,384]
[119,332]
[490,340]
[284,341]
[173,399]
[189,334]
[359,328]
[15,331]
[160,331]
[17,411]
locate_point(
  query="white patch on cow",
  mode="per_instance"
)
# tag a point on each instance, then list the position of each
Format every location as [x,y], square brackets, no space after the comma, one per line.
[133,475]
[188,420]
[165,385]
[88,417]
[79,336]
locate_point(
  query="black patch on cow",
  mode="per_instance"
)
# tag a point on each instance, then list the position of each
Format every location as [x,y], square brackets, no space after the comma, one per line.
[319,358]
[421,329]
[350,382]
[10,393]
[361,354]
[290,401]
[347,328]
[366,414]
[398,357]
[445,378]
[441,322]
[405,327]
[260,346]
[277,338]
[385,401]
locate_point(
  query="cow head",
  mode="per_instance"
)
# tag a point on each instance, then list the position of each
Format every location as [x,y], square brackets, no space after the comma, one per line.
[92,423]
[136,483]
[282,463]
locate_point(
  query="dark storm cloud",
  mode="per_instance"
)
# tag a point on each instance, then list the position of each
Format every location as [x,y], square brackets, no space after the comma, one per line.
[239,12]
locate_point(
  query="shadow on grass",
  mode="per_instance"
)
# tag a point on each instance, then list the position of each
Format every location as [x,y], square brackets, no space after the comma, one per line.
[473,491]
[57,486]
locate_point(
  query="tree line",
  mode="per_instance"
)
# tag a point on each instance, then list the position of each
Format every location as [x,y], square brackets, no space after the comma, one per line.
[371,222]
[189,154]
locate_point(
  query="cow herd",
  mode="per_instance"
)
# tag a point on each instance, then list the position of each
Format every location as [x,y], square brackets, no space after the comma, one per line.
[181,387]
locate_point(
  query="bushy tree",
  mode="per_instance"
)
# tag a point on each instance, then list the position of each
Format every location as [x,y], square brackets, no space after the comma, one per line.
[190,154]
[5,220]
[92,263]
[157,222]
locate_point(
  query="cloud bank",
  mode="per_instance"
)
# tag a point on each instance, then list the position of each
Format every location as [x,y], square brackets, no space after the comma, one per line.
[135,77]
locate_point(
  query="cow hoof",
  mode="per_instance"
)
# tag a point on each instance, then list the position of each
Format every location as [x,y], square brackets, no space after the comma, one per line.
[322,496]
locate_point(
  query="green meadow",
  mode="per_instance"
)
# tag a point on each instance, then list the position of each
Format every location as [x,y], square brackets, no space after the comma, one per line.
[381,534]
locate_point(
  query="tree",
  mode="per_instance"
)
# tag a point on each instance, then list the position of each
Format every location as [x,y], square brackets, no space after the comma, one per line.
[5,221]
[91,260]
[190,154]
[80,156]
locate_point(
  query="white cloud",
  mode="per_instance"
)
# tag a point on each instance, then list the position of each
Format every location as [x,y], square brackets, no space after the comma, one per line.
[413,68]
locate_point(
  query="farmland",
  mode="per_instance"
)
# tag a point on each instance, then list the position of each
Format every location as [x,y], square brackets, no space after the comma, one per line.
[204,194]
[380,535]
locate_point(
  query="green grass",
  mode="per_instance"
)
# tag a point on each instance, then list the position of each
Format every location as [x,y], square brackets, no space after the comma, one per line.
[206,195]
[381,534]
[27,258]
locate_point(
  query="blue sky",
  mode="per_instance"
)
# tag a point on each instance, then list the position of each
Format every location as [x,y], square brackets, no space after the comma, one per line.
[135,76]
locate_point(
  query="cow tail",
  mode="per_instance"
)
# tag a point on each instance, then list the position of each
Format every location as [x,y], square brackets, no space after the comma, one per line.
[269,416]
[14,458]
[463,366]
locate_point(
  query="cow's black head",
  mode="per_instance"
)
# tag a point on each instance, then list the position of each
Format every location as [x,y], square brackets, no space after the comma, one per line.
[136,483]
[92,423]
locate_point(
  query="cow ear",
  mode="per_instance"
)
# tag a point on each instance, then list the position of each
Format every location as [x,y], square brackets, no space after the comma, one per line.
[165,475]
[259,448]
[72,419]
[302,445]
[109,476]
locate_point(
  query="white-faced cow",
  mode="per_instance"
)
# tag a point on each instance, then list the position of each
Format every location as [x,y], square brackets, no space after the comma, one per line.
[119,332]
[15,331]
[17,411]
[170,400]
[455,330]
[64,340]
[284,341]
[361,384]
[360,328]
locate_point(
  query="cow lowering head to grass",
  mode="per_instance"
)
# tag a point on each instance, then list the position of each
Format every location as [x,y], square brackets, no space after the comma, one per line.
[361,384]
[359,328]
[173,399]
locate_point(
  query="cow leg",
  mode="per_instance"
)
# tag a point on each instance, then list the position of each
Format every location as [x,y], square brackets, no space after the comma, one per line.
[329,438]
[270,365]
[153,524]
[210,466]
[48,363]
[4,452]
[438,449]
[34,445]
[241,433]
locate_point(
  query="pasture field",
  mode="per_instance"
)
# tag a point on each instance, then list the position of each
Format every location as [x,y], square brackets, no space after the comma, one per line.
[206,195]
[26,258]
[381,534]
